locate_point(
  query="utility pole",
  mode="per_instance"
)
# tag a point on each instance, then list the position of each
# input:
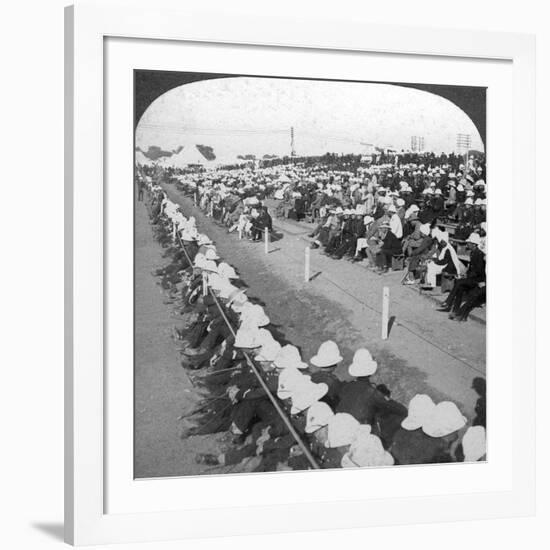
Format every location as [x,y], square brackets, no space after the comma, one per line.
[292,148]
[463,144]
[417,144]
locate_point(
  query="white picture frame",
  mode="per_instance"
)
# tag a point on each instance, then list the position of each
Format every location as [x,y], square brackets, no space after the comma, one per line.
[86,518]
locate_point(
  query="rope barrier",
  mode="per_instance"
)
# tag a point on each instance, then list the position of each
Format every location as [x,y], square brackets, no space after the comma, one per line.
[273,400]
[254,369]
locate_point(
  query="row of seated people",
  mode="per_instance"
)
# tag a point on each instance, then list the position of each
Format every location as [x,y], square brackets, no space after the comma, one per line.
[423,248]
[311,203]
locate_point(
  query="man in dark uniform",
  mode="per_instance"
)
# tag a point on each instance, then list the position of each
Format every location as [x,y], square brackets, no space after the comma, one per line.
[391,246]
[475,278]
[415,447]
[367,404]
[475,298]
[261,223]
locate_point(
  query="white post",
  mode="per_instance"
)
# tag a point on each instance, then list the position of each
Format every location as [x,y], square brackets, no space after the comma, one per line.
[211,209]
[240,232]
[173,231]
[266,240]
[385,311]
[204,284]
[306,266]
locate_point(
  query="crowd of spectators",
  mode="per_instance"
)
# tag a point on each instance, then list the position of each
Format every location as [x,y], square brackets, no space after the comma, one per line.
[421,213]
[282,411]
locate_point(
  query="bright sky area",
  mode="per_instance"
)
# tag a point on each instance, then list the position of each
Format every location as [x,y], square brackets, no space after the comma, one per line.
[249,115]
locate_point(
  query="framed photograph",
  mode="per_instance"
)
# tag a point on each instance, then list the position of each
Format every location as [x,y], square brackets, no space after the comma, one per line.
[282,300]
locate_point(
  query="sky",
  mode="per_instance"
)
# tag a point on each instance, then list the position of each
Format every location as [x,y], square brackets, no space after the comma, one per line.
[249,115]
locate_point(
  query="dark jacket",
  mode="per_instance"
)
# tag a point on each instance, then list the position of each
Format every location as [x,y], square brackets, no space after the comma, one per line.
[438,205]
[447,261]
[391,244]
[476,269]
[364,402]
[415,447]
[263,221]
[334,385]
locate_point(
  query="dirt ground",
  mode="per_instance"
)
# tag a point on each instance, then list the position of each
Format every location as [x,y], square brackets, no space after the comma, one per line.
[163,391]
[425,352]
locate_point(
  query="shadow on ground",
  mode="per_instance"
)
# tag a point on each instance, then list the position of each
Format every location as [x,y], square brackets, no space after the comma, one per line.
[53,530]
[404,380]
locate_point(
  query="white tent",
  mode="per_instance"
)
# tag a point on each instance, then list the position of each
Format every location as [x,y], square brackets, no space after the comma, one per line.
[188,155]
[161,161]
[227,159]
[141,159]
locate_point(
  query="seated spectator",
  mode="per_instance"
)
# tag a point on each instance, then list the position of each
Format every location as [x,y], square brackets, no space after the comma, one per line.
[414,239]
[418,255]
[473,280]
[324,364]
[262,222]
[390,246]
[428,433]
[362,243]
[364,401]
[445,261]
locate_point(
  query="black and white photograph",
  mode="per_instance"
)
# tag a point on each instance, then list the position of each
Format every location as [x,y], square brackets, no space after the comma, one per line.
[309,274]
[245,287]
